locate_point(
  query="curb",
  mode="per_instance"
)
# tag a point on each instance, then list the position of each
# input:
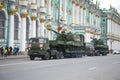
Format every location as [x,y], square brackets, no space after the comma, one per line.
[14,57]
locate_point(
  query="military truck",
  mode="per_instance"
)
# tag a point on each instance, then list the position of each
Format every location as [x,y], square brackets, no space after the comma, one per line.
[38,47]
[96,48]
[66,45]
[100,47]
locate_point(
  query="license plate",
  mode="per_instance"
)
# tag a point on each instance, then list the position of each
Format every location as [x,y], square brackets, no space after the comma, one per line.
[34,53]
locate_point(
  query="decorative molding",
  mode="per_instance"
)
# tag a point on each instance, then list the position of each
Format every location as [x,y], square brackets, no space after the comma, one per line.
[77,4]
[16,7]
[23,15]
[34,18]
[51,4]
[56,7]
[81,6]
[12,12]
[48,15]
[49,26]
[2,5]
[42,20]
[84,8]
[73,2]
[33,3]
[42,6]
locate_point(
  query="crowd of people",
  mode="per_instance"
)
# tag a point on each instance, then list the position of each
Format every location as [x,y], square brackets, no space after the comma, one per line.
[8,51]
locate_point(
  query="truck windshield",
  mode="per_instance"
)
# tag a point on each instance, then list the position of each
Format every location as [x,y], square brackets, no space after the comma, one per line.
[37,41]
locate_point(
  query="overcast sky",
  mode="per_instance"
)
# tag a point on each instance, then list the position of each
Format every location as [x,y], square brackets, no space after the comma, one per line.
[106,4]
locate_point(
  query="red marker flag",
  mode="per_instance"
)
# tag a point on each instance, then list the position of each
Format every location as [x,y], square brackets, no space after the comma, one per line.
[59,28]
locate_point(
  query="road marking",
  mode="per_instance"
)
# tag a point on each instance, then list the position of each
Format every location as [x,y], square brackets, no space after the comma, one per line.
[92,68]
[116,63]
[15,64]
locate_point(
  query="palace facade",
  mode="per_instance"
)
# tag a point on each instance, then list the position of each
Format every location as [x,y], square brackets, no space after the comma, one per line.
[23,19]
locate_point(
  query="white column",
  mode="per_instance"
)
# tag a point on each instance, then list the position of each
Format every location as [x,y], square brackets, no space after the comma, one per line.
[109,31]
[91,18]
[81,9]
[84,17]
[77,14]
[113,28]
[73,7]
[42,25]
[42,18]
[11,34]
[30,28]
[23,15]
[108,27]
[96,21]
[61,9]
[39,32]
[19,30]
[49,17]
[87,37]
[33,28]
[33,17]
[64,15]
[23,35]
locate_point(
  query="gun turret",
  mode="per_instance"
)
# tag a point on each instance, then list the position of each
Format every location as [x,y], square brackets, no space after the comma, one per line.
[60,36]
[97,41]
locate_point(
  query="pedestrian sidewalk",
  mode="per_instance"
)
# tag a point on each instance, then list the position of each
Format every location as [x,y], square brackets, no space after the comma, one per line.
[14,57]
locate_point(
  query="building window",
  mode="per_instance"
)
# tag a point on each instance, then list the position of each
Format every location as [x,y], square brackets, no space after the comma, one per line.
[27,28]
[103,20]
[16,27]
[2,25]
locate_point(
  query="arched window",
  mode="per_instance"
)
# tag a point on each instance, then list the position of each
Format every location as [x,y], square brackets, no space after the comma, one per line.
[2,25]
[16,27]
[27,28]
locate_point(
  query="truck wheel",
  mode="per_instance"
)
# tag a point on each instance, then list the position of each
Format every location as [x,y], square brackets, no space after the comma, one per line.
[97,54]
[61,55]
[104,54]
[46,56]
[32,57]
[56,56]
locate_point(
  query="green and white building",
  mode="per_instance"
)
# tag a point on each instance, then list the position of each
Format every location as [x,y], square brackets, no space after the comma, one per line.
[23,19]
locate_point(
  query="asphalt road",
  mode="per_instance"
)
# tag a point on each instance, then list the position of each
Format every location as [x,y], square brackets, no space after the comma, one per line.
[86,68]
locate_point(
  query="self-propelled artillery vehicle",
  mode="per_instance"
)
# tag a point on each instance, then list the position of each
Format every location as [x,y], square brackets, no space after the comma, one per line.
[66,45]
[97,47]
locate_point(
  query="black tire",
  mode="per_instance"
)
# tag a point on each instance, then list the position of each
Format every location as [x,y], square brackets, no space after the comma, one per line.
[32,57]
[104,54]
[97,54]
[46,56]
[56,56]
[61,55]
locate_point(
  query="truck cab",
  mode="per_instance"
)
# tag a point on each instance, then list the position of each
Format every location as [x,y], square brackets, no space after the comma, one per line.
[38,47]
